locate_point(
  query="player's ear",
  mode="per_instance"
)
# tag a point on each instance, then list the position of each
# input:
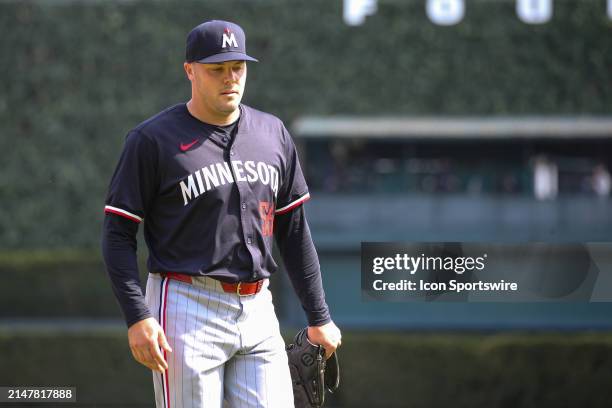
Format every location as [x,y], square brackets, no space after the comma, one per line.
[188,70]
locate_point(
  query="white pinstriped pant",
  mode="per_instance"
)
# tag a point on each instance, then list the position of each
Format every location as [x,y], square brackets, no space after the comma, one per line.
[224,347]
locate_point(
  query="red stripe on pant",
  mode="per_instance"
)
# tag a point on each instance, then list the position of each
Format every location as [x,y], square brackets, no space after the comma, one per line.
[163,316]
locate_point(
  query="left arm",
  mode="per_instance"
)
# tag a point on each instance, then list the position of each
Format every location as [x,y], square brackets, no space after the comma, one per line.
[302,264]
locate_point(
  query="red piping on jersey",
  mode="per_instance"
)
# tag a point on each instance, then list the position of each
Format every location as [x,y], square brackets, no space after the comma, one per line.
[291,206]
[124,214]
[165,289]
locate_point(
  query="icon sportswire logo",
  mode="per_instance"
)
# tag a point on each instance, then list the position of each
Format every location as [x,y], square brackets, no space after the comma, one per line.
[229,39]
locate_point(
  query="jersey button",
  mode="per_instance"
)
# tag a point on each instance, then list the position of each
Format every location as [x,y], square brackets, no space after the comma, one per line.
[249,240]
[243,206]
[224,139]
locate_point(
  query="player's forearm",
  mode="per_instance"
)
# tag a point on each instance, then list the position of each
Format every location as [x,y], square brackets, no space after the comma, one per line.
[302,264]
[119,252]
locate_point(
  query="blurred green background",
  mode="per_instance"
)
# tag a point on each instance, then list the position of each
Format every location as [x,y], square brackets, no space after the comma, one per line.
[77,75]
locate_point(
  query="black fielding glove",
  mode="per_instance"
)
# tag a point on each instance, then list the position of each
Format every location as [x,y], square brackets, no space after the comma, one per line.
[311,374]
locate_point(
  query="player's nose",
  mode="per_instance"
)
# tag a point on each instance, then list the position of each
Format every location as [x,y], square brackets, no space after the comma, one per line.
[231,75]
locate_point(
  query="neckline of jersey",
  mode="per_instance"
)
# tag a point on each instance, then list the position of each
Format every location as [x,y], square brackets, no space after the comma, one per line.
[223,136]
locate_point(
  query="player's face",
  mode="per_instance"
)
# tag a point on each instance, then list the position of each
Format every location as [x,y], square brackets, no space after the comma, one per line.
[219,87]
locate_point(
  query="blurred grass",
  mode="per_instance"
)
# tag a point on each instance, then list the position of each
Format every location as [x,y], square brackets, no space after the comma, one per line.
[27,259]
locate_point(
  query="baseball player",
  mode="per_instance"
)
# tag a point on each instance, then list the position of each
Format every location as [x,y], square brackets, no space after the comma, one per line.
[215,183]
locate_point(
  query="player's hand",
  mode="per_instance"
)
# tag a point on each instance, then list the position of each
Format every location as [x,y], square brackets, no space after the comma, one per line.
[145,338]
[328,336]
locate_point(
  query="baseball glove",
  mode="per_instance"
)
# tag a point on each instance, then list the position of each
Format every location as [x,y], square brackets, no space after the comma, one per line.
[311,374]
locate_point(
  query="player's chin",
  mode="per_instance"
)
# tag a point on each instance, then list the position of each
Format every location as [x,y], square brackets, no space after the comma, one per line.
[229,106]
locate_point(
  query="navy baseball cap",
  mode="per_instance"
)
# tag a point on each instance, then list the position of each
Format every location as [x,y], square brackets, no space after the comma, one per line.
[216,41]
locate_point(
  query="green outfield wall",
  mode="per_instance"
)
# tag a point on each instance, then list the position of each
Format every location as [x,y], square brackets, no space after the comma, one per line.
[76,76]
[389,370]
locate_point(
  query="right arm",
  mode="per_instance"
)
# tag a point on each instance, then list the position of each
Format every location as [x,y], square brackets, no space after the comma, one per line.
[130,189]
[119,252]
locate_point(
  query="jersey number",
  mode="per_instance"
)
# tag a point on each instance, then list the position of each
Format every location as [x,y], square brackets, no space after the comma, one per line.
[266,211]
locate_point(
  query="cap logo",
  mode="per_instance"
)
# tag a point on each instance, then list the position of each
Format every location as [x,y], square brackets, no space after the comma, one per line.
[229,39]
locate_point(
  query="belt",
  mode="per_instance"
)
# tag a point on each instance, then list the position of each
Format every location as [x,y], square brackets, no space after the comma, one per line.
[239,288]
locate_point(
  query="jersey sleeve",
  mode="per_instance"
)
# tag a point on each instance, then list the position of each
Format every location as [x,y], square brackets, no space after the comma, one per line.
[293,191]
[133,184]
[302,264]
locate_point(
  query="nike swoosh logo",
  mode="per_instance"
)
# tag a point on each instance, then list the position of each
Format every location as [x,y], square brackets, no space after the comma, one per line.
[185,147]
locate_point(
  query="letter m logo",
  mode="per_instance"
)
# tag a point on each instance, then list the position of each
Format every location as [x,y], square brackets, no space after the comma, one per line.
[229,39]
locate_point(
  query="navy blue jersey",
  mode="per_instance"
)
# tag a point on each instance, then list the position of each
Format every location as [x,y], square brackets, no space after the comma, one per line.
[208,198]
[212,198]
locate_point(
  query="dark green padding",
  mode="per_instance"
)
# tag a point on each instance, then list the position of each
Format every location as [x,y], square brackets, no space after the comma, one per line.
[378,370]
